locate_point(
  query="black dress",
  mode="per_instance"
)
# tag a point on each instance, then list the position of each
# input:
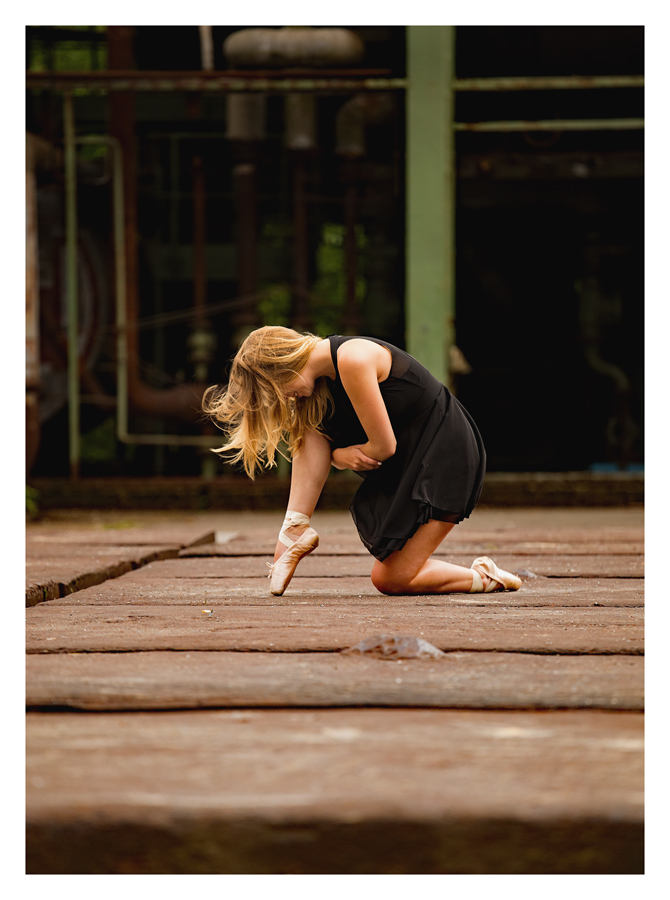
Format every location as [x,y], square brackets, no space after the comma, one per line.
[438,468]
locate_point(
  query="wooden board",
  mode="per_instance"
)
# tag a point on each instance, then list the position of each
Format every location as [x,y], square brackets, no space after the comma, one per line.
[300,628]
[335,791]
[171,680]
[346,592]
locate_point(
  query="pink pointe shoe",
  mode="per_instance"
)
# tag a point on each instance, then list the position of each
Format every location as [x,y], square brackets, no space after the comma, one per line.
[281,572]
[485,566]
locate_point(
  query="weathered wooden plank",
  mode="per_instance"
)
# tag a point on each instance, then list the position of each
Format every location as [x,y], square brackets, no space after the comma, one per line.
[345,542]
[62,551]
[449,547]
[64,573]
[171,680]
[335,791]
[346,592]
[183,533]
[313,566]
[299,628]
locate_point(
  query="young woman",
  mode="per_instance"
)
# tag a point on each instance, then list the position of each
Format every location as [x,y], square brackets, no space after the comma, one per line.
[362,404]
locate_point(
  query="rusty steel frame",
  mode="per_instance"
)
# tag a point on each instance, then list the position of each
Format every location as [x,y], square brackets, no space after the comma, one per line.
[203,81]
[280,82]
[121,314]
[345,80]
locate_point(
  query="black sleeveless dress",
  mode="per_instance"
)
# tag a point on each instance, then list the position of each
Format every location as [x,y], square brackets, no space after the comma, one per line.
[438,468]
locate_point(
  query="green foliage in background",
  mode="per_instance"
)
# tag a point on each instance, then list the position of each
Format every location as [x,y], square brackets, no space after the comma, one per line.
[329,290]
[99,445]
[69,56]
[274,305]
[32,509]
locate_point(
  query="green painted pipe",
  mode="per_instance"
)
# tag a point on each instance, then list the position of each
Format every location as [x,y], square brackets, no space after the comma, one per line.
[431,197]
[554,125]
[545,83]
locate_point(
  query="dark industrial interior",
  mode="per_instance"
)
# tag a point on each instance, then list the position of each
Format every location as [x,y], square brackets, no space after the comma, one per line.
[270,228]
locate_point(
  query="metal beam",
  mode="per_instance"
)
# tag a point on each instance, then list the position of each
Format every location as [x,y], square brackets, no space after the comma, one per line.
[549,83]
[204,81]
[554,125]
[430,214]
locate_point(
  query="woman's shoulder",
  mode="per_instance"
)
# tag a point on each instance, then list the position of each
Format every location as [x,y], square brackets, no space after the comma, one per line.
[359,352]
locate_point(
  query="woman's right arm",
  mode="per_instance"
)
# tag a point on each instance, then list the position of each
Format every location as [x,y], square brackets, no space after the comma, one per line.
[353,458]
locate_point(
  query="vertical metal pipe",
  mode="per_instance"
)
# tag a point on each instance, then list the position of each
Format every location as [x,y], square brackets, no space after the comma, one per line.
[71,283]
[199,239]
[351,317]
[431,200]
[32,310]
[300,313]
[120,278]
[206,47]
[244,181]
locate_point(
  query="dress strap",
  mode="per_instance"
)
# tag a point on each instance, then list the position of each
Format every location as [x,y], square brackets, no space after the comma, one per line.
[333,340]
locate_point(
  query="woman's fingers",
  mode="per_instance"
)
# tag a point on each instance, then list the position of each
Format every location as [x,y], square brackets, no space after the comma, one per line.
[367,462]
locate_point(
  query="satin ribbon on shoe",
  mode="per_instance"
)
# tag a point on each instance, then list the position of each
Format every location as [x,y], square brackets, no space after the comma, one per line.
[290,520]
[281,571]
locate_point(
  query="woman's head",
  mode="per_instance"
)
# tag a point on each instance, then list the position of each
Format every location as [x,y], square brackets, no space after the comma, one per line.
[257,409]
[271,359]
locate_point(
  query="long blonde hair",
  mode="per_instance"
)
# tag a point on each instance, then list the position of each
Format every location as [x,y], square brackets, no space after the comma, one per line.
[254,411]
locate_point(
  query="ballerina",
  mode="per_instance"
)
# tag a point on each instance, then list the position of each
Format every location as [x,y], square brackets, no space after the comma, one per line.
[359,403]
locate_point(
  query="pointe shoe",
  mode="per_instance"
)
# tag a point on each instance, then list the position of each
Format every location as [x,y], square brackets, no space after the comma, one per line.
[485,566]
[281,572]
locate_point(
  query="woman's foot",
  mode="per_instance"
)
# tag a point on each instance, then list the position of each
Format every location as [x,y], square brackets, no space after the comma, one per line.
[488,577]
[286,561]
[296,539]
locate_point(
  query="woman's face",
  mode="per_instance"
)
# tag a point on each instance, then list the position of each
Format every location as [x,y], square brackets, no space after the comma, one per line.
[300,387]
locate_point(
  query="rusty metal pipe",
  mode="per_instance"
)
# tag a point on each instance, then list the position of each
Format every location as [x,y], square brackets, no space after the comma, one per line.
[244,186]
[206,47]
[293,46]
[351,317]
[201,341]
[183,401]
[32,310]
[218,82]
[548,83]
[554,125]
[71,281]
[353,117]
[300,312]
[199,238]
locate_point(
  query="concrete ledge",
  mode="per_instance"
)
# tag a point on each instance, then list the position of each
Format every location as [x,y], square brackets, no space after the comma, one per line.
[270,492]
[335,791]
[394,847]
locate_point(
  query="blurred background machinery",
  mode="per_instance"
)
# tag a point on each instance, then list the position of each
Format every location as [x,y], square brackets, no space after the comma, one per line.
[185,185]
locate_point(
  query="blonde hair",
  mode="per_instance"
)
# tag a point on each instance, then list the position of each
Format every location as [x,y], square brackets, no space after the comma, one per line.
[253,409]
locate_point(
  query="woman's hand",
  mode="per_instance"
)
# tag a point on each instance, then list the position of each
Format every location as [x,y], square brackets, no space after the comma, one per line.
[352,458]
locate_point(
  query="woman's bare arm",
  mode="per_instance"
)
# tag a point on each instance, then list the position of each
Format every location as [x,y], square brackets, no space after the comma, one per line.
[362,365]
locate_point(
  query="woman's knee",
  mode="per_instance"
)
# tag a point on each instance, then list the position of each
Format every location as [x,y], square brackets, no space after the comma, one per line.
[388,581]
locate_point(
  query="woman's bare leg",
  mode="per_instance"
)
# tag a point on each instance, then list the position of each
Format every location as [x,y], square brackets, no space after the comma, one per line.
[411,571]
[309,472]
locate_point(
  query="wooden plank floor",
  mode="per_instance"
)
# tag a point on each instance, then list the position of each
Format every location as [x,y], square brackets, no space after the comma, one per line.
[183,720]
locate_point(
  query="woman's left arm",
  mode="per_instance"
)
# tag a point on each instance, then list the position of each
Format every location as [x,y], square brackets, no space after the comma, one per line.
[361,365]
